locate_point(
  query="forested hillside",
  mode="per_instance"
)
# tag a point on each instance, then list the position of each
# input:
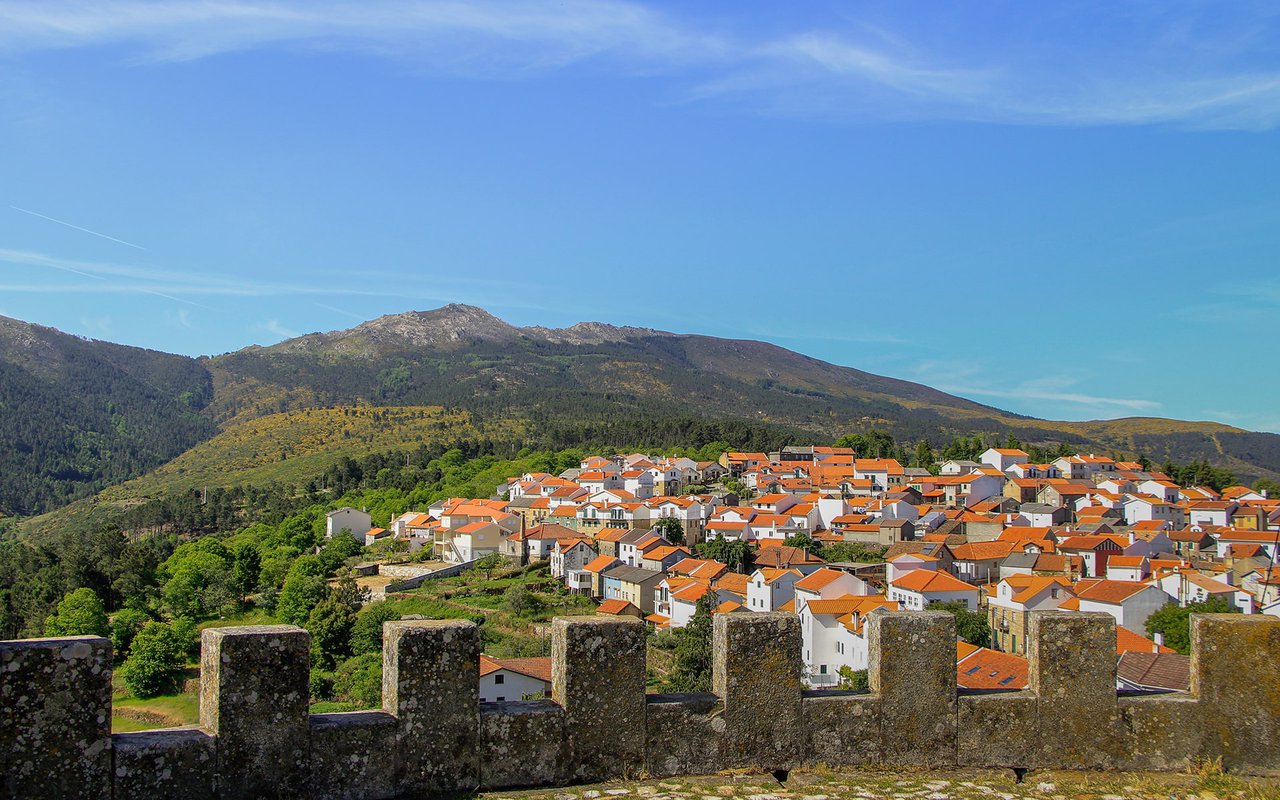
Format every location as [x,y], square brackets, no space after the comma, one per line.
[82,415]
[77,416]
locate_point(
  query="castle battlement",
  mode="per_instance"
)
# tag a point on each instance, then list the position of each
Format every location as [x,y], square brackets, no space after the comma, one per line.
[256,738]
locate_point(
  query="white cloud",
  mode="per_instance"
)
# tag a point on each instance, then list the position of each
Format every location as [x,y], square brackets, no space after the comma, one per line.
[274,326]
[1172,63]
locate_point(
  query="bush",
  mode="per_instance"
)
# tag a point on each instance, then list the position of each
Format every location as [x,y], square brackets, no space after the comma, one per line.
[522,602]
[366,634]
[359,681]
[125,625]
[80,613]
[154,661]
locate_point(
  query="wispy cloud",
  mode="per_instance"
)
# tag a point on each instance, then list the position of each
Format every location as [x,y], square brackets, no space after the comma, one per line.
[1176,63]
[274,326]
[462,36]
[78,228]
[1030,392]
[341,311]
[970,379]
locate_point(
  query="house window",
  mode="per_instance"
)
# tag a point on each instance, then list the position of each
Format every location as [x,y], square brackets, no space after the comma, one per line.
[500,699]
[822,670]
[499,679]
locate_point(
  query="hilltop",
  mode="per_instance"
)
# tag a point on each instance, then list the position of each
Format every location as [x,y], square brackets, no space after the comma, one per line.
[95,414]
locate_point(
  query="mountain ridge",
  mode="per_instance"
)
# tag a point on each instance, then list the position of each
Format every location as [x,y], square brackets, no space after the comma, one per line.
[561,385]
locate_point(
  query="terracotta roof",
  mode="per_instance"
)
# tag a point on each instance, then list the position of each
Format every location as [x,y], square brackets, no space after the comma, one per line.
[600,563]
[980,551]
[1129,642]
[1156,670]
[984,668]
[818,579]
[539,668]
[1104,591]
[927,580]
[614,605]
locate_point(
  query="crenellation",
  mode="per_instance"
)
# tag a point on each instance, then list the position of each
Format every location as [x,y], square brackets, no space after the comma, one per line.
[597,675]
[1072,672]
[1235,673]
[166,764]
[435,737]
[912,669]
[354,755]
[254,694]
[756,672]
[430,684]
[55,718]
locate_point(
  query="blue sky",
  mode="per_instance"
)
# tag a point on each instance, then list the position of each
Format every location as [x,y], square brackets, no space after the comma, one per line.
[1063,209]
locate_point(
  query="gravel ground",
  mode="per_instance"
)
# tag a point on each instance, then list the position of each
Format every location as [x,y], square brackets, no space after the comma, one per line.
[933,785]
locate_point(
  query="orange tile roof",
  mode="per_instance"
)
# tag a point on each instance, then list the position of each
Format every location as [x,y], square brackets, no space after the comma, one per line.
[927,580]
[818,579]
[990,669]
[1129,642]
[615,605]
[539,668]
[1104,591]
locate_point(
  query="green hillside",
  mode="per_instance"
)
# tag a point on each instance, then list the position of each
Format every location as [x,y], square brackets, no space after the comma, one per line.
[89,415]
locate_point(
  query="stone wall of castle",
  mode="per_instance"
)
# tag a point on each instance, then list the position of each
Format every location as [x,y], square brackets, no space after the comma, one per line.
[256,738]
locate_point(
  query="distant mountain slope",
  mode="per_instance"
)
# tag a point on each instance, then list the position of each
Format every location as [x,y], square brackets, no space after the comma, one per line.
[93,414]
[78,415]
[463,356]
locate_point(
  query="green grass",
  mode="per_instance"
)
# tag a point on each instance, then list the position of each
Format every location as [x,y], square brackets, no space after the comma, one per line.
[162,711]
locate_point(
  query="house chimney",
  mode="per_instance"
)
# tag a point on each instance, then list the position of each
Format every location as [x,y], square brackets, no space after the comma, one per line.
[1158,638]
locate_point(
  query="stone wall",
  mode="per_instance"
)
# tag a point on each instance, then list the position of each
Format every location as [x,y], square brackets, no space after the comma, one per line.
[433,736]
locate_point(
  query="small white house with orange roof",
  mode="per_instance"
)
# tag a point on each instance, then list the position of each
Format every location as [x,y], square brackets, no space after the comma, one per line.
[1130,603]
[918,588]
[827,583]
[832,635]
[770,588]
[1004,458]
[1128,568]
[514,679]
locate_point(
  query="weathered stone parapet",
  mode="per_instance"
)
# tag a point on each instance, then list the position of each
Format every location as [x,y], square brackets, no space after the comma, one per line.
[1072,672]
[1235,674]
[431,685]
[842,728]
[598,675]
[354,756]
[683,734]
[912,668]
[254,694]
[756,670]
[174,764]
[522,744]
[435,737]
[55,718]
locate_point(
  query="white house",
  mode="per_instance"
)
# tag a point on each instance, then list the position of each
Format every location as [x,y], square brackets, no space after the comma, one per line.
[1128,568]
[514,679]
[769,589]
[827,583]
[1003,459]
[918,588]
[1187,587]
[1130,603]
[569,555]
[832,635]
[1141,508]
[352,520]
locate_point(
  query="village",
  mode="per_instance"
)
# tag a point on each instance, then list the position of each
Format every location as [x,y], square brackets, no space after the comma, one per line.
[1000,537]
